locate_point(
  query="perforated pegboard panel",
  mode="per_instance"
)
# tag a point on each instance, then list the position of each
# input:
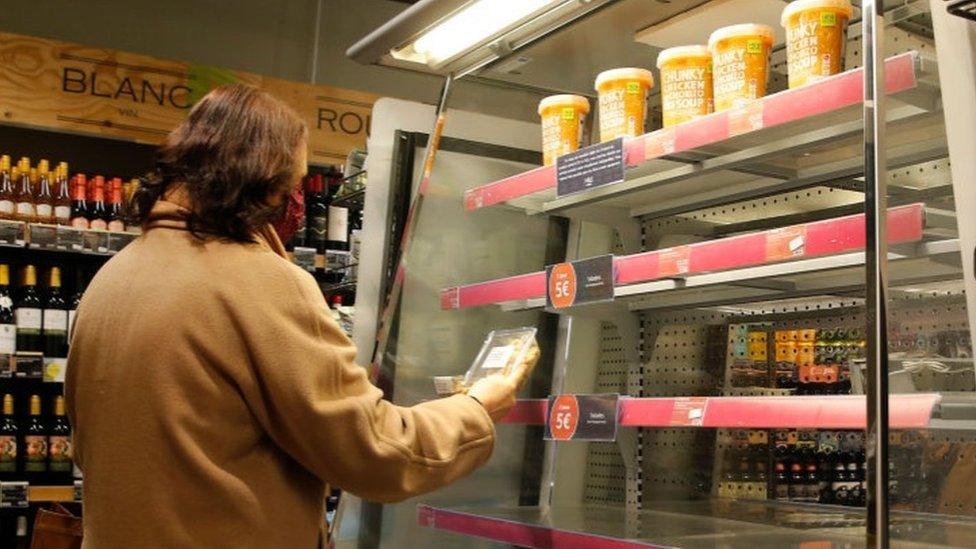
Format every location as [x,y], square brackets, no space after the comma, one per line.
[682,357]
[606,475]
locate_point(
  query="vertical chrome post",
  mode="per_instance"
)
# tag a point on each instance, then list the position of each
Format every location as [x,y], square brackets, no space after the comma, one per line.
[876,272]
[371,519]
[409,226]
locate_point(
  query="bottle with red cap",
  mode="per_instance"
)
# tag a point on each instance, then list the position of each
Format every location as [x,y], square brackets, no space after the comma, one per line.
[79,202]
[115,221]
[97,210]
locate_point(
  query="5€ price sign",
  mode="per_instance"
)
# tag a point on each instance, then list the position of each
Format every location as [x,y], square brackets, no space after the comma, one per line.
[579,282]
[563,417]
[583,417]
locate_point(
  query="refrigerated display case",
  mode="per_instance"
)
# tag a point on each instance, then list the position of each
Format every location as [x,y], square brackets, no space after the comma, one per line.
[791,323]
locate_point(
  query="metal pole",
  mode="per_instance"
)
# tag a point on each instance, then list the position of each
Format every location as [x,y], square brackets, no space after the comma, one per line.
[876,272]
[409,226]
[314,72]
[371,520]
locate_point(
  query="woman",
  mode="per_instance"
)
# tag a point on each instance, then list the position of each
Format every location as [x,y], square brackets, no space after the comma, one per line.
[211,393]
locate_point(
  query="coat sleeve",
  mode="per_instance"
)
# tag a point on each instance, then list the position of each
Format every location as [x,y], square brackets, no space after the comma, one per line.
[317,404]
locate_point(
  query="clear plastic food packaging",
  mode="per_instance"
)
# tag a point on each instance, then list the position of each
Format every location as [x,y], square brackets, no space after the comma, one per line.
[623,101]
[686,83]
[740,63]
[816,33]
[502,351]
[562,125]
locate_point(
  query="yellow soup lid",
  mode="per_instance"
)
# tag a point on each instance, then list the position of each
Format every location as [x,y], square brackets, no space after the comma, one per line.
[791,9]
[747,29]
[670,54]
[578,102]
[628,73]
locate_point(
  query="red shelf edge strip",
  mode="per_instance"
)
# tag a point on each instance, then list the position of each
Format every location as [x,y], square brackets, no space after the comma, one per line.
[907,411]
[528,412]
[832,236]
[514,533]
[839,91]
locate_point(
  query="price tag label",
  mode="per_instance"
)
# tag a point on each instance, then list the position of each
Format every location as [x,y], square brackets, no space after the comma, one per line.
[44,236]
[304,258]
[583,417]
[13,494]
[580,282]
[594,166]
[688,411]
[12,232]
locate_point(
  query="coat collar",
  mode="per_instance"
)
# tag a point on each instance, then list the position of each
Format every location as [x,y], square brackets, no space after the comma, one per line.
[171,212]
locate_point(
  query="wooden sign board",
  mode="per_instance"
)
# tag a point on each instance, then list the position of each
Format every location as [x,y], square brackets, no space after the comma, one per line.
[62,86]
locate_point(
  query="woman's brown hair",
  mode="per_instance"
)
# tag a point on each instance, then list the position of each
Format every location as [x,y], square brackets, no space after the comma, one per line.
[235,149]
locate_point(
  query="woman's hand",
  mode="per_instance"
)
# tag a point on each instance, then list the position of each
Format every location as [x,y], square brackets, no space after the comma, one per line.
[497,391]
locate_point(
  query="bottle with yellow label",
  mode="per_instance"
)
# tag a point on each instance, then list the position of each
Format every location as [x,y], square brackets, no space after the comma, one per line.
[9,433]
[35,441]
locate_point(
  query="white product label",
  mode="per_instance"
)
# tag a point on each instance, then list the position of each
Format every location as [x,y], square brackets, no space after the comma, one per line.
[6,302]
[338,224]
[45,210]
[498,357]
[7,206]
[62,213]
[28,318]
[796,244]
[25,208]
[55,320]
[8,339]
[71,320]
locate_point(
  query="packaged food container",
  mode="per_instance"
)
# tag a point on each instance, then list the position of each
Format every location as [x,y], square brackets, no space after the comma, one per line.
[686,83]
[740,63]
[502,351]
[816,33]
[562,125]
[623,101]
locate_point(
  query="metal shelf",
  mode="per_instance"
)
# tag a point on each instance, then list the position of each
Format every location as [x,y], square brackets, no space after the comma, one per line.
[690,524]
[793,139]
[745,268]
[353,200]
[908,411]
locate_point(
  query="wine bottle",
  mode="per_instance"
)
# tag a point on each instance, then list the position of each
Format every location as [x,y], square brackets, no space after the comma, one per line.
[317,215]
[55,318]
[25,194]
[27,313]
[115,214]
[9,434]
[8,326]
[44,201]
[8,198]
[35,441]
[62,199]
[79,202]
[338,220]
[97,211]
[59,440]
[80,282]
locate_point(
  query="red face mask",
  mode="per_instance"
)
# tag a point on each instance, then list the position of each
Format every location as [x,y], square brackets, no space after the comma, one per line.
[291,220]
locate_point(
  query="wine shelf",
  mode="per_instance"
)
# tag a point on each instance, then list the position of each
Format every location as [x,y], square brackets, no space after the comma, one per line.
[59,238]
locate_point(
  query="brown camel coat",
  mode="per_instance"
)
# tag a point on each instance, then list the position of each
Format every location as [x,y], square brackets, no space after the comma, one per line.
[213,397]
